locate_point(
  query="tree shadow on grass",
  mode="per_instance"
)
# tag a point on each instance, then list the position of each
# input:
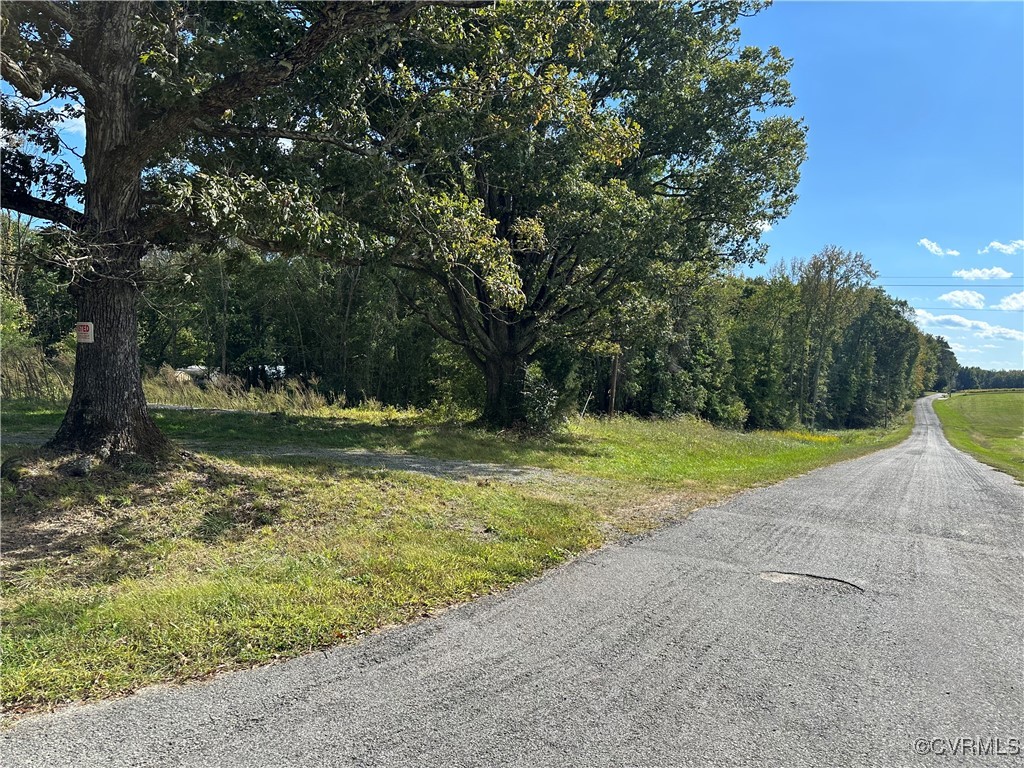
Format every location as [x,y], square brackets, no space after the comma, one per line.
[442,469]
[245,510]
[110,524]
[239,432]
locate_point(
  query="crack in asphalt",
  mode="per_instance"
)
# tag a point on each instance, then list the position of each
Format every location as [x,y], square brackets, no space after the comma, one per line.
[789,577]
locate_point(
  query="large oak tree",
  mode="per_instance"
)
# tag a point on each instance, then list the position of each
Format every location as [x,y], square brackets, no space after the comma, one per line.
[146,76]
[599,142]
[524,165]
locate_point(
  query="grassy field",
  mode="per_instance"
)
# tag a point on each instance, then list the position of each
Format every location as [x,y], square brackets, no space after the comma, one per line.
[664,453]
[989,425]
[126,578]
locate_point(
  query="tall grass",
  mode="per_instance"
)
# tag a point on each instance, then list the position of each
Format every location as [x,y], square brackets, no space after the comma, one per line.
[291,396]
[169,387]
[27,374]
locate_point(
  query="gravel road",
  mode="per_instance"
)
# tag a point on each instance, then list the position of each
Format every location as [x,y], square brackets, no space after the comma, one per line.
[830,620]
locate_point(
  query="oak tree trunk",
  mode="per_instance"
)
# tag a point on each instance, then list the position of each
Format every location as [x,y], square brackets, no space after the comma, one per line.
[505,404]
[108,413]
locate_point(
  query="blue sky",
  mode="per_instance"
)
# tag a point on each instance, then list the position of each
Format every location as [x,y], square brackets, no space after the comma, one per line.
[915,115]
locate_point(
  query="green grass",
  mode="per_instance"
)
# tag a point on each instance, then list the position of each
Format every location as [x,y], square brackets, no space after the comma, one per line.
[989,425]
[119,580]
[669,453]
[116,581]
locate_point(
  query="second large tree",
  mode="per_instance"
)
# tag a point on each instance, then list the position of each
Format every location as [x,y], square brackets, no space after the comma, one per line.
[607,141]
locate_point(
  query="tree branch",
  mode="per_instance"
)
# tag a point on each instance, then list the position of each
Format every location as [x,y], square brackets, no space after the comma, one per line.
[31,76]
[71,73]
[337,18]
[23,202]
[56,12]
[424,313]
[282,133]
[28,82]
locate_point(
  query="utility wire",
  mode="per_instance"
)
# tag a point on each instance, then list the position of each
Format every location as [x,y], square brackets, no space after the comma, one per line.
[964,309]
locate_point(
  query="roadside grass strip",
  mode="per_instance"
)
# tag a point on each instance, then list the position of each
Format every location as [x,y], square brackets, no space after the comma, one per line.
[134,576]
[988,425]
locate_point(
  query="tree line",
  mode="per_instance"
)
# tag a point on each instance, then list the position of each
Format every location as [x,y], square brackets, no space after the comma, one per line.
[973,377]
[811,342]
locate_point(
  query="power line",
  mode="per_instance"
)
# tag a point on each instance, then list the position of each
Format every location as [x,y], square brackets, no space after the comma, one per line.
[964,309]
[937,277]
[923,280]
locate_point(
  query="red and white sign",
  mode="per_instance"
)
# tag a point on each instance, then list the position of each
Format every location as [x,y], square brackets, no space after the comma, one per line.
[83,333]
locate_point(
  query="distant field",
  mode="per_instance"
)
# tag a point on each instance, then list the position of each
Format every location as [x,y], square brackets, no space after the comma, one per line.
[989,425]
[137,576]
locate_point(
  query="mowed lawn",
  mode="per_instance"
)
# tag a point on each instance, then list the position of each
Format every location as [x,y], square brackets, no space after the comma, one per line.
[141,575]
[989,425]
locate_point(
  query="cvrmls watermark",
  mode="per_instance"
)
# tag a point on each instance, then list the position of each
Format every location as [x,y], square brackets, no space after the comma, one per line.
[975,746]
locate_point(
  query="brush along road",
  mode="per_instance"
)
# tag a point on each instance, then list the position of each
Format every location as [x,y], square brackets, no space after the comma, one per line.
[863,614]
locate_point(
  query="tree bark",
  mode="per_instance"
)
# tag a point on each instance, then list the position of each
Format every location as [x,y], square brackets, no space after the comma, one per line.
[108,410]
[505,404]
[108,413]
[612,390]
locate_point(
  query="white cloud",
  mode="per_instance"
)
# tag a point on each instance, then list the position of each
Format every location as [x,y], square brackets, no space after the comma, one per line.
[935,249]
[73,122]
[987,273]
[1009,249]
[961,348]
[763,226]
[981,329]
[990,346]
[964,299]
[1014,302]
[74,125]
